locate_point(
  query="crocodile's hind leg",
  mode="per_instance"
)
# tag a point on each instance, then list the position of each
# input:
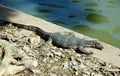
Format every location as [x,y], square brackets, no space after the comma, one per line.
[82,50]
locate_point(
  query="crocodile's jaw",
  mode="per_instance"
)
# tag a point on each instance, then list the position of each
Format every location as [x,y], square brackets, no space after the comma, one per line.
[98,46]
[90,43]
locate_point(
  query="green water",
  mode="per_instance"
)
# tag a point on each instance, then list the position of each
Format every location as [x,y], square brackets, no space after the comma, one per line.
[103,22]
[95,18]
[99,34]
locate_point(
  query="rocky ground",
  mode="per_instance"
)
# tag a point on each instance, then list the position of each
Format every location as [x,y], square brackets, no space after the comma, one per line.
[49,61]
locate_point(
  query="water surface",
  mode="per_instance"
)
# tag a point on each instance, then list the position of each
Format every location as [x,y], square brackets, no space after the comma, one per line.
[95,18]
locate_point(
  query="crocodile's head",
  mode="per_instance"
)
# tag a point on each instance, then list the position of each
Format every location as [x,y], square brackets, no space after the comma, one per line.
[98,45]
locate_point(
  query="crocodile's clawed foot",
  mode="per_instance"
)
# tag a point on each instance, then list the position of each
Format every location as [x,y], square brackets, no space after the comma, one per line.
[82,50]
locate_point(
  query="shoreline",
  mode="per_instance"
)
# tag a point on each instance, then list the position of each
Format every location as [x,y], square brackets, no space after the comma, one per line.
[109,54]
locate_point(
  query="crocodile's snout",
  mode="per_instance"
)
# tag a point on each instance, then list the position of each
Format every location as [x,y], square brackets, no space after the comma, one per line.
[98,46]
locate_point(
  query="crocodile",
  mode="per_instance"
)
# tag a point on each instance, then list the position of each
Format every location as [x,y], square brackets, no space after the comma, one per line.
[63,40]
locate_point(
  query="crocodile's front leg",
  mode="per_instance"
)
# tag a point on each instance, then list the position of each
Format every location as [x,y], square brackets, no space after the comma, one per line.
[82,50]
[41,47]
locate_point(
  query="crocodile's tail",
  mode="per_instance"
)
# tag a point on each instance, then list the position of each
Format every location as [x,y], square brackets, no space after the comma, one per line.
[35,29]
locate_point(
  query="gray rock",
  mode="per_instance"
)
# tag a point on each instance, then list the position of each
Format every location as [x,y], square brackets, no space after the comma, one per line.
[65,65]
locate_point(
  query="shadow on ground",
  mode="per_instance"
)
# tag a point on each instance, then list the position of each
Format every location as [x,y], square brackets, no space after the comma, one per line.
[8,15]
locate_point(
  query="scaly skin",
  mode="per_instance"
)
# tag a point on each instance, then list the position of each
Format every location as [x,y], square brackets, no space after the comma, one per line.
[64,40]
[68,40]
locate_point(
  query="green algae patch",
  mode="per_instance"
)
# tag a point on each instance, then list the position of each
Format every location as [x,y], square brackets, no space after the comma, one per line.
[71,16]
[97,18]
[51,5]
[91,4]
[90,10]
[44,10]
[112,1]
[75,1]
[116,30]
[111,6]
